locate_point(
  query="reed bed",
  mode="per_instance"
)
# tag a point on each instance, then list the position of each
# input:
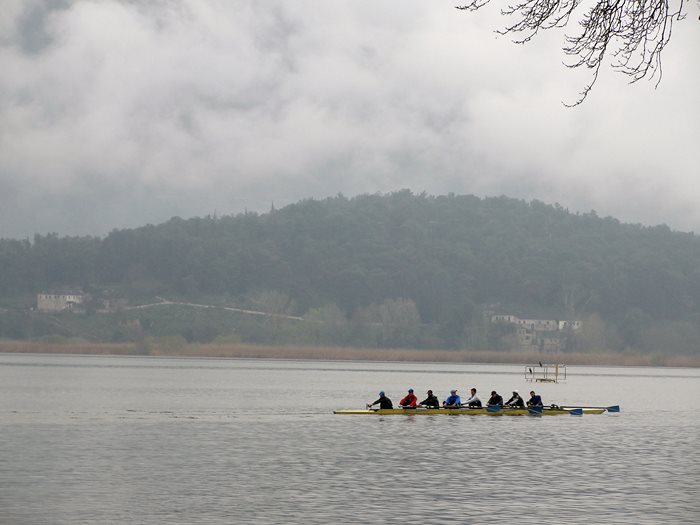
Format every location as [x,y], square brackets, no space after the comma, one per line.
[42,347]
[166,347]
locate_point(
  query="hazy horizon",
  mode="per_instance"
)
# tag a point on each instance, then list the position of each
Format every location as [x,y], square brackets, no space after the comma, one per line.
[272,205]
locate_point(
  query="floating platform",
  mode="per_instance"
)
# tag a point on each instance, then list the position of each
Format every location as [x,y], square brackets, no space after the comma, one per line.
[546,373]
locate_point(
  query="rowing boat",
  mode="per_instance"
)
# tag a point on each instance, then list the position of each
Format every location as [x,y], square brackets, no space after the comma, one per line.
[464,411]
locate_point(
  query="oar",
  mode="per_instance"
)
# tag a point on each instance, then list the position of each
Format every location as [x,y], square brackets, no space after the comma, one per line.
[611,409]
[535,411]
[576,411]
[493,408]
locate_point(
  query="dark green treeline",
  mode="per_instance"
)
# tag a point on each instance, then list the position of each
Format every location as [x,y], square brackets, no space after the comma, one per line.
[387,270]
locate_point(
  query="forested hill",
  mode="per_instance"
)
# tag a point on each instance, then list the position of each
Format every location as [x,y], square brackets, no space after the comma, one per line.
[448,261]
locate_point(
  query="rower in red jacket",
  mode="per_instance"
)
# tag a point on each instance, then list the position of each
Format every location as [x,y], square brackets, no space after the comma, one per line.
[410,400]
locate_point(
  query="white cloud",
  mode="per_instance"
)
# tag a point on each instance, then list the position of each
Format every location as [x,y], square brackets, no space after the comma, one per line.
[121,113]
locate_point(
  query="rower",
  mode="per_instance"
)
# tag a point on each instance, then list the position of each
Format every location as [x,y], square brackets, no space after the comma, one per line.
[453,401]
[409,401]
[431,401]
[473,401]
[495,400]
[535,400]
[383,401]
[515,401]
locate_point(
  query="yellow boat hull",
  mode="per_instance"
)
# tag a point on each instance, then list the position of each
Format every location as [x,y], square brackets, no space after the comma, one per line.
[463,411]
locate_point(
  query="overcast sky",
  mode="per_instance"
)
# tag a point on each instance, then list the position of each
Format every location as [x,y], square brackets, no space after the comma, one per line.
[115,114]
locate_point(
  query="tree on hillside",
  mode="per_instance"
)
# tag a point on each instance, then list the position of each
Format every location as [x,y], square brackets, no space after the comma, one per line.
[325,325]
[277,306]
[633,33]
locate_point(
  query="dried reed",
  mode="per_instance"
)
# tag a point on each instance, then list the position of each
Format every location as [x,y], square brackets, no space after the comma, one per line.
[163,348]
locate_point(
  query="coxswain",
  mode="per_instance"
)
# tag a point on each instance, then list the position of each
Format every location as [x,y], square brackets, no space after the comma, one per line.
[515,401]
[453,401]
[410,400]
[431,401]
[383,402]
[535,400]
[495,400]
[473,401]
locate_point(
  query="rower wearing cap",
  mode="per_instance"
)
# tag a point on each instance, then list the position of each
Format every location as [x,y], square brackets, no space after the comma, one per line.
[431,401]
[495,400]
[410,400]
[535,400]
[515,401]
[453,401]
[383,401]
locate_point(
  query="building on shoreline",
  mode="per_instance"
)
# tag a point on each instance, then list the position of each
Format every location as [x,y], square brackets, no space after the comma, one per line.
[540,335]
[58,302]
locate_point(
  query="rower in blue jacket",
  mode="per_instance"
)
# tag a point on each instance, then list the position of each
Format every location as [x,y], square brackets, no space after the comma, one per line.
[535,400]
[453,401]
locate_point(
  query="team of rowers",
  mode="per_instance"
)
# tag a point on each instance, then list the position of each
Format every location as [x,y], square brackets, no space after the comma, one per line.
[454,400]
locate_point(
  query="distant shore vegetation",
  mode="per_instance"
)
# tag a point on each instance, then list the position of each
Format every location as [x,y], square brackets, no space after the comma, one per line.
[372,273]
[178,347]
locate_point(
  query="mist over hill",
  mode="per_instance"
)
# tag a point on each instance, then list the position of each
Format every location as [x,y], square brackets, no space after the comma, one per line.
[374,270]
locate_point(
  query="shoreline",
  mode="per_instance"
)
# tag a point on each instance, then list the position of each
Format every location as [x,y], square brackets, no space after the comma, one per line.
[248,351]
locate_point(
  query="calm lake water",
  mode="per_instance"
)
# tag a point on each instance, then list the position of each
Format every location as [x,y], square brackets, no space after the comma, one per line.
[91,439]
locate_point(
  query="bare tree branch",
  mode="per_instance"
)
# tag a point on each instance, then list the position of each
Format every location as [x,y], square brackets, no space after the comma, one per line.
[632,33]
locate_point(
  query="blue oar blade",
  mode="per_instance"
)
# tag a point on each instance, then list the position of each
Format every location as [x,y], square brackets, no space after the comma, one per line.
[493,408]
[576,411]
[614,408]
[535,411]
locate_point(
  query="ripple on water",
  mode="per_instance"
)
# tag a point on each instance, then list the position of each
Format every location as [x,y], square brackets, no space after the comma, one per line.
[228,444]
